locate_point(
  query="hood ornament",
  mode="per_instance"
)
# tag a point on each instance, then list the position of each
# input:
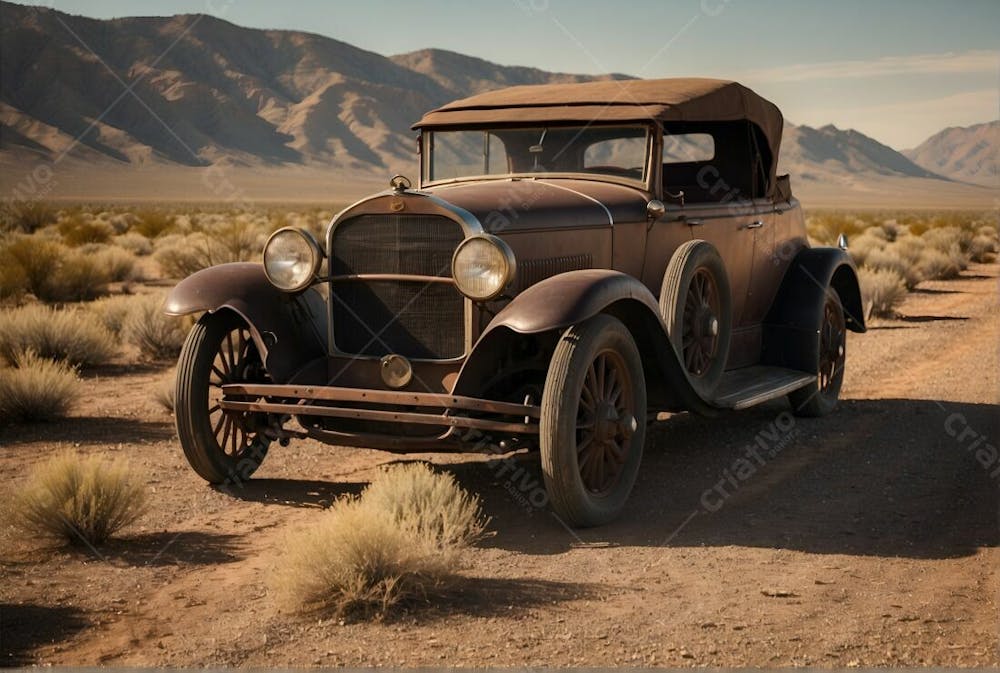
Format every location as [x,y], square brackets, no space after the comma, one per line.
[400,183]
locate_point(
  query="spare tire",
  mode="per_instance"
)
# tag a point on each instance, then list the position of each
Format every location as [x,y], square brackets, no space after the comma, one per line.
[697,307]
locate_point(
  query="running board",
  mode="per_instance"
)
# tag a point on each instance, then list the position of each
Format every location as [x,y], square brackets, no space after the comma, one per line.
[750,386]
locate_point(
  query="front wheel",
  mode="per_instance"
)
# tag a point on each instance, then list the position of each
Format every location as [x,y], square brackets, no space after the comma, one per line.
[220,445]
[593,421]
[820,397]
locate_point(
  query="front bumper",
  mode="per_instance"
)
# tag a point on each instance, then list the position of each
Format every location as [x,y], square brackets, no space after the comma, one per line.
[441,411]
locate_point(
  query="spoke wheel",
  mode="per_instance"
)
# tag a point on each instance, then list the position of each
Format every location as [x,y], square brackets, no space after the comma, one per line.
[604,422]
[700,327]
[220,445]
[593,421]
[820,397]
[696,306]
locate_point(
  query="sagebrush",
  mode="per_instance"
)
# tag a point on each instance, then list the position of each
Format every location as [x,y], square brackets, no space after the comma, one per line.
[79,500]
[71,335]
[37,389]
[400,542]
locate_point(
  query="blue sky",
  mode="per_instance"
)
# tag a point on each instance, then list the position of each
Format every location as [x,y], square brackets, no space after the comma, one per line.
[898,70]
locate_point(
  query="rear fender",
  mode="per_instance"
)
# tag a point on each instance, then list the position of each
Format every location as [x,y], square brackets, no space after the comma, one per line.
[546,309]
[794,320]
[289,330]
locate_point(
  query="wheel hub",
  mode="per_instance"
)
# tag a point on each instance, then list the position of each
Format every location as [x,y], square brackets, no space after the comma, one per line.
[606,422]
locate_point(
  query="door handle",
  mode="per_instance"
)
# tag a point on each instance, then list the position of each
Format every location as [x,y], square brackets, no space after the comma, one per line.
[756,224]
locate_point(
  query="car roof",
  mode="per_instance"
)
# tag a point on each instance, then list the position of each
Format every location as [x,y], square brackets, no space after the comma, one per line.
[682,99]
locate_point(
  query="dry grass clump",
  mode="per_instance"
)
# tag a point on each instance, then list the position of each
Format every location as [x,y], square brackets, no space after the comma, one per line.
[863,245]
[74,336]
[231,241]
[50,271]
[81,229]
[152,223]
[113,311]
[882,291]
[936,264]
[134,242]
[165,393]
[36,389]
[118,263]
[432,504]
[26,217]
[983,248]
[79,500]
[156,335]
[399,542]
[890,258]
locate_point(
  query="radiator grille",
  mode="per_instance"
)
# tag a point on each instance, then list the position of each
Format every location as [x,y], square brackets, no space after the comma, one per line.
[414,319]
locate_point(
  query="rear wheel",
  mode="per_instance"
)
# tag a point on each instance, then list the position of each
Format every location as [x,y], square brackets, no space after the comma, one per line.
[220,445]
[696,305]
[593,421]
[820,397]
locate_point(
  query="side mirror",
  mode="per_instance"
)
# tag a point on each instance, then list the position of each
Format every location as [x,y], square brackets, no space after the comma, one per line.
[842,241]
[655,209]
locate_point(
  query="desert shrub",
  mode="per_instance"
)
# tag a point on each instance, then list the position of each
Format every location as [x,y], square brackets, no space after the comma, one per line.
[432,504]
[861,246]
[882,291]
[69,335]
[936,264]
[117,262]
[78,230]
[368,554]
[36,389]
[156,335]
[79,500]
[165,392]
[135,243]
[982,248]
[180,256]
[152,223]
[26,216]
[113,311]
[889,258]
[947,238]
[27,263]
[77,277]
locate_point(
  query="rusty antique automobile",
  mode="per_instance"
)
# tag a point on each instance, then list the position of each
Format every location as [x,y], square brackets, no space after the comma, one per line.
[573,260]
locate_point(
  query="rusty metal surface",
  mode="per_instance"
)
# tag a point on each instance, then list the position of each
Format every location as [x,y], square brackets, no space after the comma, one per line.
[289,330]
[332,394]
[382,416]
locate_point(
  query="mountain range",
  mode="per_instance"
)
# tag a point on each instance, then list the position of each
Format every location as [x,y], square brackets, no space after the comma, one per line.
[194,90]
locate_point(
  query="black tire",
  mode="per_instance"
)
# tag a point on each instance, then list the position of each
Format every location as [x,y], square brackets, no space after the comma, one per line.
[593,429]
[820,397]
[697,307]
[220,446]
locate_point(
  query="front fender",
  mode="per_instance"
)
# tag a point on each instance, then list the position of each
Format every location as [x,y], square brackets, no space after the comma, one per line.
[797,312]
[289,330]
[570,298]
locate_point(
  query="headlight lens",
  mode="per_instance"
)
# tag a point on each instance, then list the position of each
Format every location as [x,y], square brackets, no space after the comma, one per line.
[291,259]
[482,267]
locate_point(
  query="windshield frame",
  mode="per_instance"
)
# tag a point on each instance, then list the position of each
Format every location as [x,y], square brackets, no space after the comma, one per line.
[425,158]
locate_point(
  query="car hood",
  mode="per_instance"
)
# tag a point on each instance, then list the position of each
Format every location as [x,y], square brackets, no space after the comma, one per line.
[524,204]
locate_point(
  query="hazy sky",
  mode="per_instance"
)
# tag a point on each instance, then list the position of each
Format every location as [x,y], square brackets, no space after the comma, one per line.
[898,70]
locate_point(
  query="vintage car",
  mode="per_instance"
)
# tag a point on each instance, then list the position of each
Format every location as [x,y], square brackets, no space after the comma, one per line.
[573,260]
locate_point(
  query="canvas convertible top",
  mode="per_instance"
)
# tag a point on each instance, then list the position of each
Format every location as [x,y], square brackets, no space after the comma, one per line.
[689,99]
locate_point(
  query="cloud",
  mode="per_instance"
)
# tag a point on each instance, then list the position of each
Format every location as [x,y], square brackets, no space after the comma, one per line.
[951,63]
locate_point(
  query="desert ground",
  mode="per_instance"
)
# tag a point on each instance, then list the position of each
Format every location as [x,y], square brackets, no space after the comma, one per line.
[871,537]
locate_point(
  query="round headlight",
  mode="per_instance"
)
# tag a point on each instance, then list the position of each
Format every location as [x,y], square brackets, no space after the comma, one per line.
[291,259]
[482,267]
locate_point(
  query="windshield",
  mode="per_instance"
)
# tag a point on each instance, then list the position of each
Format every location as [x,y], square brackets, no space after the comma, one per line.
[618,151]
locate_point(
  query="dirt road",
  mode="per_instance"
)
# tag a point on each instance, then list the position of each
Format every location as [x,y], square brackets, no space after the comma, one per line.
[870,537]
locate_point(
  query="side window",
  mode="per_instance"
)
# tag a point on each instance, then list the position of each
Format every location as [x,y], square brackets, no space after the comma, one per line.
[686,147]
